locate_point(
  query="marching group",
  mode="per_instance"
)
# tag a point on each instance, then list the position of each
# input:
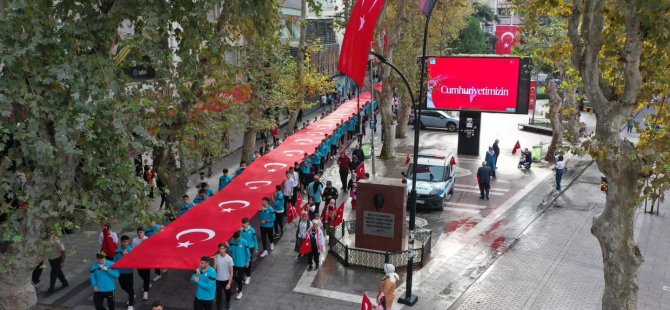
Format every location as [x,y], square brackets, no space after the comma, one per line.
[232,262]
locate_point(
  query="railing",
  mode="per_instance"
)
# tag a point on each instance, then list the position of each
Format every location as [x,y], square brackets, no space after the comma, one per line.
[372,259]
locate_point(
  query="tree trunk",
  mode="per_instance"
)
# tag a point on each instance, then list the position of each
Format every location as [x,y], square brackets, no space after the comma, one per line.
[16,292]
[293,115]
[175,179]
[388,119]
[554,114]
[249,144]
[614,229]
[404,110]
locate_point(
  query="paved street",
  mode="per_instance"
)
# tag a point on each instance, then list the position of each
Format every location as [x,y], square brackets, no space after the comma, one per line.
[526,248]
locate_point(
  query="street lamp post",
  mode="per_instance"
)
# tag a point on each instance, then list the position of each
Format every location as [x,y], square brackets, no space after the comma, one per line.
[409,299]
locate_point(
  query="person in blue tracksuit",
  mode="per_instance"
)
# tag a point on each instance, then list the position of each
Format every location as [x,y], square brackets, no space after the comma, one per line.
[248,234]
[224,180]
[185,205]
[205,279]
[279,212]
[126,275]
[103,280]
[267,217]
[316,160]
[239,250]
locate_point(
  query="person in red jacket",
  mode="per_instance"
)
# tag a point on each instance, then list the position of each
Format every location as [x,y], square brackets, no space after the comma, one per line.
[345,166]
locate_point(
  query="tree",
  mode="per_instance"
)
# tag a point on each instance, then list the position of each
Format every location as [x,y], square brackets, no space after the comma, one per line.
[620,50]
[68,128]
[405,34]
[545,42]
[472,39]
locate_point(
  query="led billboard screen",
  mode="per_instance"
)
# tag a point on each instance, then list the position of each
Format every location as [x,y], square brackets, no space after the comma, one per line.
[486,84]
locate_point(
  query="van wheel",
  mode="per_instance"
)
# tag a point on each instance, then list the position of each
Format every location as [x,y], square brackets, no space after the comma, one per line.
[451,127]
[442,202]
[451,191]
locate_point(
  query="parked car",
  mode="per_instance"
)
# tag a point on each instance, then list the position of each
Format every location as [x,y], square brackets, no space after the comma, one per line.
[437,119]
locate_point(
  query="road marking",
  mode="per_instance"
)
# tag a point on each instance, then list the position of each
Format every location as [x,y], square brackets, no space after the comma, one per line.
[466,205]
[461,210]
[666,288]
[477,187]
[477,191]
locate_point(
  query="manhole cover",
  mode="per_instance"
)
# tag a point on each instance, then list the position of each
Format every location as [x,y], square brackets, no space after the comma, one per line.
[419,222]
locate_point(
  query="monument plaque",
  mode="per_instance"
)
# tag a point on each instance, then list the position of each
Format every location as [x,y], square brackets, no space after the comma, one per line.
[378,224]
[380,215]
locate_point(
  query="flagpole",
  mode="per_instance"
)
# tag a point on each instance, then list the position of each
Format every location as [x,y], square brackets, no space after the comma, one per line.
[410,299]
[358,115]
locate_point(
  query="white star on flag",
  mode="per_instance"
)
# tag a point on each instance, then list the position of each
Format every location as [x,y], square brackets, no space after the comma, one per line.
[362,25]
[185,244]
[227,210]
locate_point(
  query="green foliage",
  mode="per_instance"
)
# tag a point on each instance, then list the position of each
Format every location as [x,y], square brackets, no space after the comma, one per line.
[472,39]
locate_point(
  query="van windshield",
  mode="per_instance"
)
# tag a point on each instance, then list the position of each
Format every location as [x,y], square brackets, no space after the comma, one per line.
[427,173]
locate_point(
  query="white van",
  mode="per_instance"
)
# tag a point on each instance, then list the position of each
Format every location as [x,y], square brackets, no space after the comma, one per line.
[435,178]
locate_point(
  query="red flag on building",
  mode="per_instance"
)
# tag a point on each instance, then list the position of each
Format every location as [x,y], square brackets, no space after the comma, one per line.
[516,147]
[357,38]
[508,37]
[366,304]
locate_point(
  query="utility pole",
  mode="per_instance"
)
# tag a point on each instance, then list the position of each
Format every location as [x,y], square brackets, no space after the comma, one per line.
[373,120]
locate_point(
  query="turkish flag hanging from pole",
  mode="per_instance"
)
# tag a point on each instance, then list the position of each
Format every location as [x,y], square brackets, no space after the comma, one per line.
[508,37]
[357,38]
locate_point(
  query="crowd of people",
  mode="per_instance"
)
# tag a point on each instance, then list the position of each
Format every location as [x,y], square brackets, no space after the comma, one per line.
[230,266]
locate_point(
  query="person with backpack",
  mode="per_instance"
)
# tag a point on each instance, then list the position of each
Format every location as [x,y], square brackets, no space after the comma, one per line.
[317,243]
[267,218]
[239,250]
[103,280]
[108,240]
[126,275]
[330,192]
[302,227]
[205,279]
[387,288]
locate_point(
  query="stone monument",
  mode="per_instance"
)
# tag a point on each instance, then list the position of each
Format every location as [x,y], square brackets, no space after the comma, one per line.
[380,215]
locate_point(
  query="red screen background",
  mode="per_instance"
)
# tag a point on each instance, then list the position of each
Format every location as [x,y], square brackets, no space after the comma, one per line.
[473,83]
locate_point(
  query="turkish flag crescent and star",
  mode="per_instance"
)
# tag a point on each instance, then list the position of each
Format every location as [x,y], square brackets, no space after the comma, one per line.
[357,38]
[508,37]
[198,232]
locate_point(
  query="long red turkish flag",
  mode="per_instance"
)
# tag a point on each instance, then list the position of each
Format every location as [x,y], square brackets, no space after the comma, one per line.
[357,38]
[198,232]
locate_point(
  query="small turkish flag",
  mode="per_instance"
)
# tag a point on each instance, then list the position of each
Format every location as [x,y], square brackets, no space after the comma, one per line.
[366,303]
[516,147]
[306,246]
[339,216]
[360,171]
[292,213]
[407,160]
[453,161]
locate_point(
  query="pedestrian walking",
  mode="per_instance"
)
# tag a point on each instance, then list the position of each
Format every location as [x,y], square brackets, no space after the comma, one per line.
[315,191]
[344,163]
[267,218]
[302,227]
[330,192]
[224,180]
[126,275]
[248,233]
[631,123]
[358,152]
[108,240]
[288,188]
[145,274]
[328,220]
[496,150]
[278,206]
[205,280]
[223,263]
[387,288]
[559,167]
[315,234]
[239,250]
[162,190]
[491,160]
[56,262]
[484,179]
[103,280]
[201,197]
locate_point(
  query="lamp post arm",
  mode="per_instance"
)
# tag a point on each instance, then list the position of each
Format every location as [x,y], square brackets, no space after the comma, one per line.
[386,62]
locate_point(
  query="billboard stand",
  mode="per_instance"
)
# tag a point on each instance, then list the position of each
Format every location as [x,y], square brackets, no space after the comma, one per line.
[468,132]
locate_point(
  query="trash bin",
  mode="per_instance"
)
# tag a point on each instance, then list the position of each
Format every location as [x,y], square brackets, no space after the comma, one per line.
[367,150]
[537,152]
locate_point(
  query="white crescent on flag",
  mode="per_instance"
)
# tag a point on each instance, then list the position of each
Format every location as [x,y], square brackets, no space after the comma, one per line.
[280,165]
[290,153]
[507,33]
[304,141]
[265,183]
[210,234]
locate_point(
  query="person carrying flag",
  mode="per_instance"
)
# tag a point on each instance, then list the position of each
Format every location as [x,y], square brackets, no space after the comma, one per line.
[316,243]
[239,250]
[205,279]
[126,275]
[103,280]
[267,217]
[248,233]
